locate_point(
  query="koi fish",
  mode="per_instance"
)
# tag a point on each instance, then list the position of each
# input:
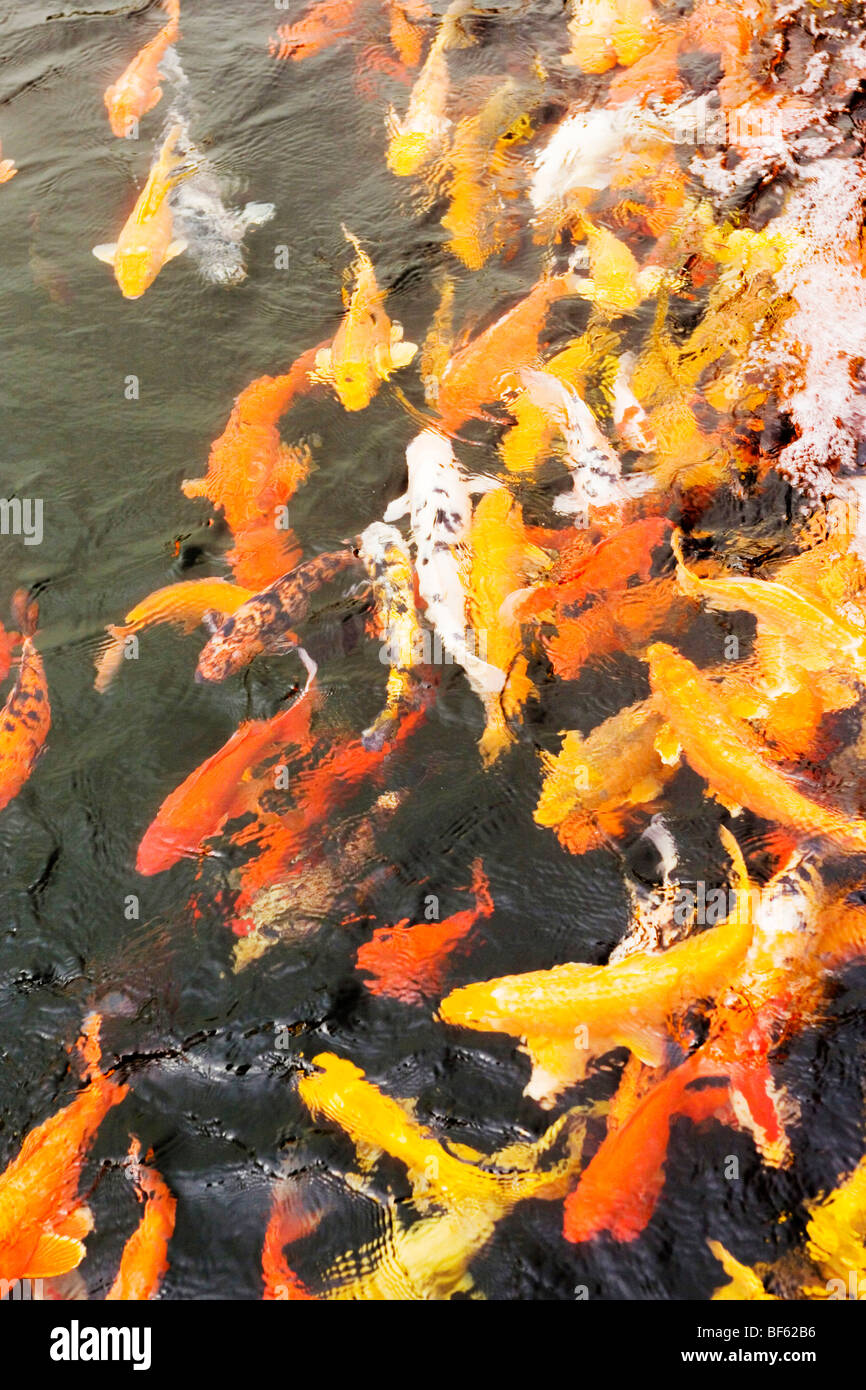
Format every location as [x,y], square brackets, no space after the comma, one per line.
[26,715]
[261,623]
[7,169]
[409,962]
[481,175]
[221,787]
[623,621]
[594,785]
[630,420]
[339,1091]
[284,901]
[723,750]
[187,603]
[528,442]
[144,1261]
[572,1013]
[137,91]
[367,348]
[480,373]
[775,980]
[610,566]
[287,1223]
[386,559]
[147,241]
[813,636]
[502,559]
[250,471]
[43,1221]
[440,509]
[620,1186]
[324,23]
[415,139]
[595,467]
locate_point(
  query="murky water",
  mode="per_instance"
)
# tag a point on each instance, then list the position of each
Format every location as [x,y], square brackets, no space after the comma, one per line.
[212,1094]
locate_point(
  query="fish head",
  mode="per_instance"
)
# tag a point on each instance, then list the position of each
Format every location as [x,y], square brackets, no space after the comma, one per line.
[135,269]
[355,384]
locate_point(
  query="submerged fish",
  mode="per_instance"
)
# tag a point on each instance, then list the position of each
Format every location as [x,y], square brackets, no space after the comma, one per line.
[367,348]
[439,504]
[222,786]
[43,1220]
[144,1261]
[147,241]
[385,557]
[262,623]
[409,961]
[137,91]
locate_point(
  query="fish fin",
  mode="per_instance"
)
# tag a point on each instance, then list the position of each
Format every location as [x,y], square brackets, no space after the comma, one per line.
[106,251]
[77,1225]
[211,621]
[402,353]
[734,808]
[156,98]
[482,483]
[257,214]
[54,1255]
[194,487]
[667,745]
[399,507]
[176,248]
[765,1110]
[557,1062]
[650,1045]
[324,364]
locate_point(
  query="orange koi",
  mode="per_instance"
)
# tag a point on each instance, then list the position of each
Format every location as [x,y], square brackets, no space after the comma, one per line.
[490,364]
[623,621]
[732,760]
[250,471]
[221,787]
[43,1221]
[620,1186]
[286,1224]
[324,23]
[611,566]
[186,604]
[147,242]
[144,1261]
[607,32]
[137,91]
[410,962]
[26,716]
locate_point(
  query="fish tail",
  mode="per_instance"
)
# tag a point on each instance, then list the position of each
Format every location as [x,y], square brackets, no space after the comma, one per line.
[110,655]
